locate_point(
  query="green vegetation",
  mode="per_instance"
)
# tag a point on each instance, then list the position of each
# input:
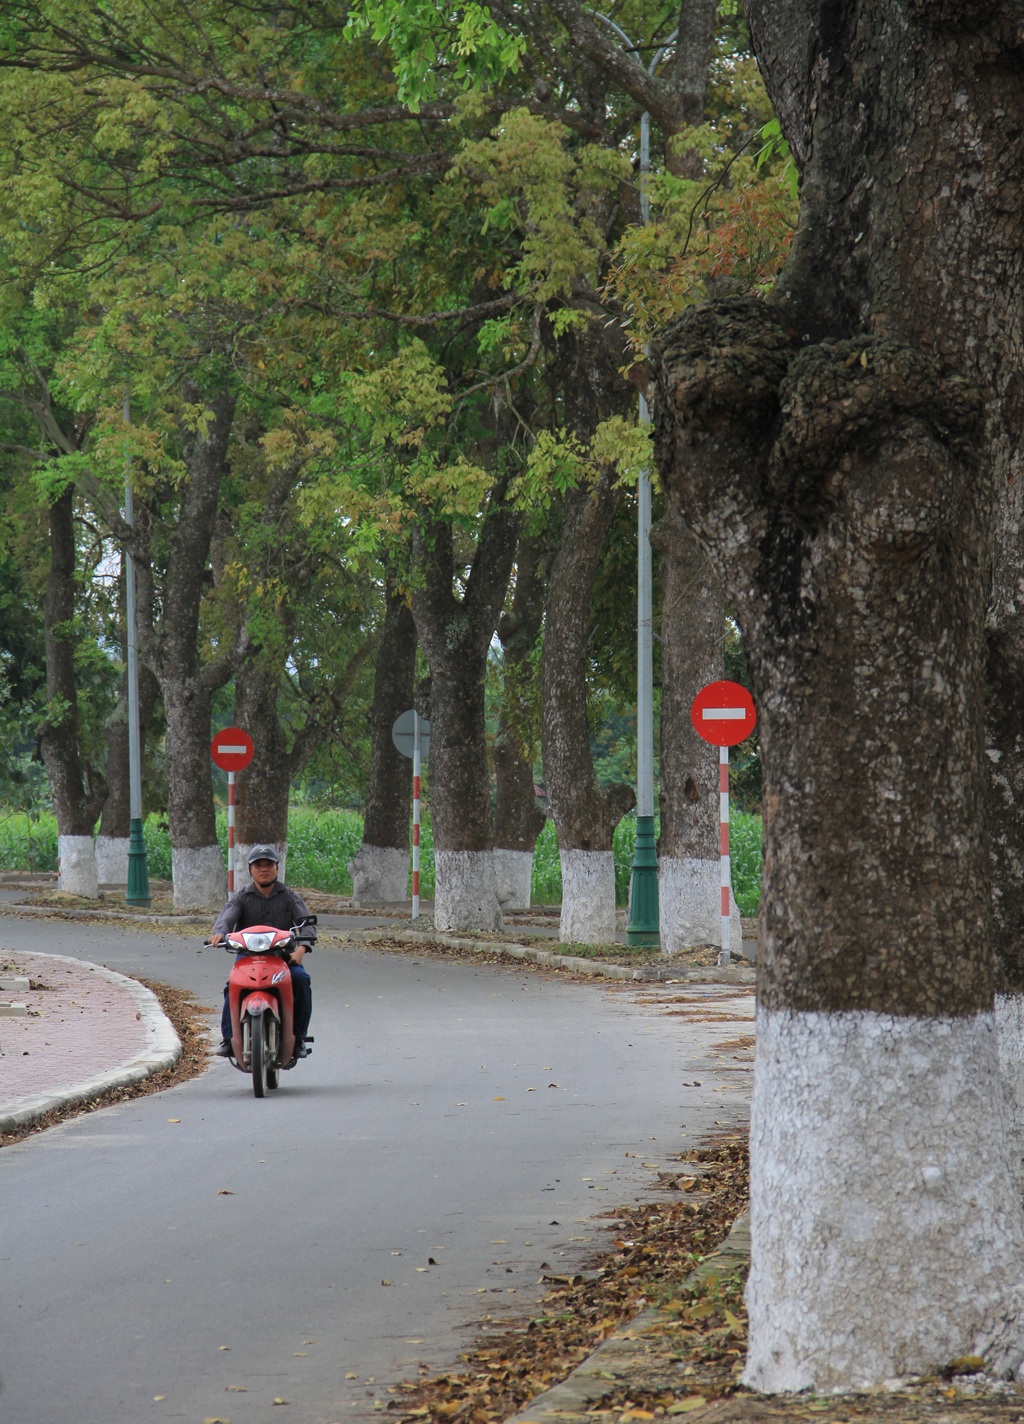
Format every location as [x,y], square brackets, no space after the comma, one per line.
[321,844]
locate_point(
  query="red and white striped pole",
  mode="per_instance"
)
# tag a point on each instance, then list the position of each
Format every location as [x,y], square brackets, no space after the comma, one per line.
[415,816]
[723,834]
[231,832]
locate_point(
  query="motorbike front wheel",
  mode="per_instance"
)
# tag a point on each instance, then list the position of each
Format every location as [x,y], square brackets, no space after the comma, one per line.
[262,1057]
[273,1052]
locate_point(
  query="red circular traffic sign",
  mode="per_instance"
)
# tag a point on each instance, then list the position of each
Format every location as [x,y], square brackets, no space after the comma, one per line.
[723,713]
[232,749]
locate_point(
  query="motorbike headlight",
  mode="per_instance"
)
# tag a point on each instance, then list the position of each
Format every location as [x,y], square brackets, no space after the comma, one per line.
[258,943]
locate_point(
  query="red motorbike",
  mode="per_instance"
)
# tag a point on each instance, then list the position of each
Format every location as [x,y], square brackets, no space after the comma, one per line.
[260,997]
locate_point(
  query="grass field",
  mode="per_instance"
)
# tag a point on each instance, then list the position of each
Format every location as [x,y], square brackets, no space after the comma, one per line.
[321,844]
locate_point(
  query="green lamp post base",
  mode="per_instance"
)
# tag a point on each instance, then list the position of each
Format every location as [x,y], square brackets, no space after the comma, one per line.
[138,872]
[643,915]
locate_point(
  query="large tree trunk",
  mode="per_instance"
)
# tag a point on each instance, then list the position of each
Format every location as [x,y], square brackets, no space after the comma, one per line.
[380,867]
[198,867]
[585,814]
[455,634]
[689,850]
[76,800]
[842,455]
[518,818]
[261,790]
[1005,748]
[113,837]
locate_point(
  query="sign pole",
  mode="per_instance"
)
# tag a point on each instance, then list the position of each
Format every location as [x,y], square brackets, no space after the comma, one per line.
[415,816]
[232,750]
[723,815]
[231,832]
[723,714]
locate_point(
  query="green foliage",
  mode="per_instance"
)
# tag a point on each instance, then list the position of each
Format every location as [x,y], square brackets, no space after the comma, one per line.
[430,41]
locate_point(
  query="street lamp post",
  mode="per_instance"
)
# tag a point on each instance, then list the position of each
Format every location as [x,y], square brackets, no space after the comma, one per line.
[137,892]
[643,926]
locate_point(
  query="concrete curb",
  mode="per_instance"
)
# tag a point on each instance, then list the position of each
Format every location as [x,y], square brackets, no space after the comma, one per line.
[628,1348]
[55,912]
[733,974]
[162,1049]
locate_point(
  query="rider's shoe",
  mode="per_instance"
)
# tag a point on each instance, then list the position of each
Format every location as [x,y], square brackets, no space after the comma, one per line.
[223,1049]
[301,1049]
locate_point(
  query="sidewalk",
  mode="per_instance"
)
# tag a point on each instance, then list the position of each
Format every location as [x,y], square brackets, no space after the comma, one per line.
[84,1030]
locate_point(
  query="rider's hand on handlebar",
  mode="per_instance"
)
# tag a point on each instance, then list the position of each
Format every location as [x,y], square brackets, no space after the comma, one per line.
[215,939]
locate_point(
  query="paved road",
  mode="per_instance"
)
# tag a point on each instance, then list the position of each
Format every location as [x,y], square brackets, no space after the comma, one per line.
[198,1254]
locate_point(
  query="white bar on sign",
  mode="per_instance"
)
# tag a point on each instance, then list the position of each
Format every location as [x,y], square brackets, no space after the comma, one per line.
[725,714]
[231,751]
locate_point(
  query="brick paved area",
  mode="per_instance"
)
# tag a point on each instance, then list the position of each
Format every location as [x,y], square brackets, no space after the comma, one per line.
[87,1028]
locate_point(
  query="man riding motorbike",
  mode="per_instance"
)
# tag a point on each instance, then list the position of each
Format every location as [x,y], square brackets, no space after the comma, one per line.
[268,901]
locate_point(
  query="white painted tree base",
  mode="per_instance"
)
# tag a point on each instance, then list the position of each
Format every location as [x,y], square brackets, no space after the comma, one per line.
[1010,1037]
[200,878]
[588,897]
[380,875]
[513,875]
[690,905]
[887,1236]
[112,860]
[242,874]
[465,895]
[77,866]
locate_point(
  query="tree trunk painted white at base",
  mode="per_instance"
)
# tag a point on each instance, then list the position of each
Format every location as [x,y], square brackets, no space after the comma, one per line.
[77,866]
[887,1237]
[690,905]
[112,860]
[200,878]
[465,895]
[380,875]
[242,876]
[513,874]
[588,897]
[1010,1037]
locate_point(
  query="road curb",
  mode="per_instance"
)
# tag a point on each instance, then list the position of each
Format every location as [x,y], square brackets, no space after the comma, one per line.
[629,1348]
[731,974]
[162,1049]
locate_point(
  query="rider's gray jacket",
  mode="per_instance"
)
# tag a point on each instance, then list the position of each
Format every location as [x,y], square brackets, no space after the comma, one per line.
[282,908]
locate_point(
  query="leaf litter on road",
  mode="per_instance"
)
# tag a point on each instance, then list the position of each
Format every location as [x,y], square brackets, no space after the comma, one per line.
[687,1364]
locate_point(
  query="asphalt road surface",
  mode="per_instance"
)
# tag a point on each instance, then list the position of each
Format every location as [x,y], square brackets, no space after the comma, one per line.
[201,1255]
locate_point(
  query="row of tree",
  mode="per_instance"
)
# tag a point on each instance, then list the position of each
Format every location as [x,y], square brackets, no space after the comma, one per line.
[365,337]
[381,268]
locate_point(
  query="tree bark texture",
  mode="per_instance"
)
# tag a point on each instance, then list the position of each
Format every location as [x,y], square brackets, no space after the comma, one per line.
[585,814]
[518,818]
[172,650]
[841,454]
[689,850]
[77,794]
[380,868]
[455,633]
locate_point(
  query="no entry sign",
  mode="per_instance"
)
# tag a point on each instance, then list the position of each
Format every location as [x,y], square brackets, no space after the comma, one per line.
[723,713]
[232,749]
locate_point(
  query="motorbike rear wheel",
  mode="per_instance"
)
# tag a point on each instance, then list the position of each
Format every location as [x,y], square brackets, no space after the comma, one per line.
[261,1057]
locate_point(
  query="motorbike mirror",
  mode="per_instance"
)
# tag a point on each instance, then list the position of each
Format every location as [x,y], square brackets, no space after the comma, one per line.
[306,920]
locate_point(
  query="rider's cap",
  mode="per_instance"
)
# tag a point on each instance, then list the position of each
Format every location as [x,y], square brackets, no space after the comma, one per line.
[264,852]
